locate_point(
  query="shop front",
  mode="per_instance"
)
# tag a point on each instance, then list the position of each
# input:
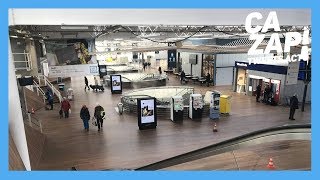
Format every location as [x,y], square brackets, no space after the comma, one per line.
[271,78]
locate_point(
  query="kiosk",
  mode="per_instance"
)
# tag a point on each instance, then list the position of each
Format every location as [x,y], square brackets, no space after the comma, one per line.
[176,108]
[147,113]
[116,84]
[215,105]
[195,106]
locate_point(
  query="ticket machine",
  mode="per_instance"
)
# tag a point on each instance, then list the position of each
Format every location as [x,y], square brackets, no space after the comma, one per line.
[176,108]
[195,106]
[215,105]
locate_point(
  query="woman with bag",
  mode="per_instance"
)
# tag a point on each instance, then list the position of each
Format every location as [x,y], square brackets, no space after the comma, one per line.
[65,107]
[85,116]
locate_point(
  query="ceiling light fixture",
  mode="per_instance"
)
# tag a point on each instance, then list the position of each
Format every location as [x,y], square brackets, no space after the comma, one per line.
[74,27]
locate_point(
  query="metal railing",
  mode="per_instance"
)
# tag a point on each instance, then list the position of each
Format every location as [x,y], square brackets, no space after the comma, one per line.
[39,91]
[22,65]
[48,83]
[31,120]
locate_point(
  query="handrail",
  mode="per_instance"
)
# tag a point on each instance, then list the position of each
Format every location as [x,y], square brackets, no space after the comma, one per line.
[27,61]
[48,83]
[32,120]
[40,90]
[228,145]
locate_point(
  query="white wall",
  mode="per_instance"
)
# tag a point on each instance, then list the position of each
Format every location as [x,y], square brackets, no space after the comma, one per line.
[186,66]
[16,124]
[162,55]
[298,88]
[224,76]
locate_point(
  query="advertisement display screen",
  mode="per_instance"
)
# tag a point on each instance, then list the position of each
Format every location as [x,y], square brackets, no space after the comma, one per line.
[116,83]
[147,111]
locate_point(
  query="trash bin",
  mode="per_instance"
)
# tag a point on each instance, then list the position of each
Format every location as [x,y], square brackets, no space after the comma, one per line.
[70,94]
[120,108]
[225,104]
[61,86]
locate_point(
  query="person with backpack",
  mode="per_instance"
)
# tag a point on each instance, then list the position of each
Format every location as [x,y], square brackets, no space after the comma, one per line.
[99,115]
[293,106]
[85,116]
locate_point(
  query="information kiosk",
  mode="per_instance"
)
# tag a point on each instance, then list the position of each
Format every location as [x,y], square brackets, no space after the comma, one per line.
[176,108]
[195,106]
[147,113]
[215,105]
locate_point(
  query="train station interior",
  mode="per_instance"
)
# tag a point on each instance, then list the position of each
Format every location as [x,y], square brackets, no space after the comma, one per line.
[180,89]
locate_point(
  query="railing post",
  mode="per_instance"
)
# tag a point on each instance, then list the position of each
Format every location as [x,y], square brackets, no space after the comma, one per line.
[29,119]
[40,123]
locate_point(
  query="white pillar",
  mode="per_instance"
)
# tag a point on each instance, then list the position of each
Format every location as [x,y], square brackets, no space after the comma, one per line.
[16,125]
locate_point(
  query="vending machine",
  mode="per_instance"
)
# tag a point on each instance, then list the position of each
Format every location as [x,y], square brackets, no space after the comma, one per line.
[195,106]
[176,108]
[215,105]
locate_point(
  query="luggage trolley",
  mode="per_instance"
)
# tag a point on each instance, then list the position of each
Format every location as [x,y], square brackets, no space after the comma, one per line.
[70,94]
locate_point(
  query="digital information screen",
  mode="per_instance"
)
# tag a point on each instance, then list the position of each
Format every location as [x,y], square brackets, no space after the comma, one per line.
[147,113]
[116,84]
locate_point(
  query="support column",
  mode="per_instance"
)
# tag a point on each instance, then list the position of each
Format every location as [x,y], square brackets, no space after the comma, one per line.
[16,125]
[31,49]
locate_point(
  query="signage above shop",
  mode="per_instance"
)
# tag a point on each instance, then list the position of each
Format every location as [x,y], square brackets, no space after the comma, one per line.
[241,64]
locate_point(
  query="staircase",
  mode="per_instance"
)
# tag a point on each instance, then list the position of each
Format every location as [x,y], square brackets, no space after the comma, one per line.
[41,82]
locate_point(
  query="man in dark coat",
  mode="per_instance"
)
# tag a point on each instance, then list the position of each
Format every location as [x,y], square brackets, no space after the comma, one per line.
[86,82]
[208,79]
[293,106]
[258,93]
[99,115]
[182,76]
[49,96]
[85,116]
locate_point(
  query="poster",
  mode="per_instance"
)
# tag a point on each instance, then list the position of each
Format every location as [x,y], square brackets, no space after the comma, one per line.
[147,111]
[116,82]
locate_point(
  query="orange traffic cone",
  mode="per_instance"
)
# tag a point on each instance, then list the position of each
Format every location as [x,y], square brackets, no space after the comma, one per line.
[270,164]
[215,129]
[32,111]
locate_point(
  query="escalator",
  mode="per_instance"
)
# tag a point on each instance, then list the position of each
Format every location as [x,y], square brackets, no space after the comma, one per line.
[289,146]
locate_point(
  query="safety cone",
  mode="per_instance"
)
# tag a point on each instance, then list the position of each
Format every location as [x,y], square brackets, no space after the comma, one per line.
[32,111]
[215,129]
[270,164]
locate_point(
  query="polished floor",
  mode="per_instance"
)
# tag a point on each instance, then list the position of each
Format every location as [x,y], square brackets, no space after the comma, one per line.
[121,145]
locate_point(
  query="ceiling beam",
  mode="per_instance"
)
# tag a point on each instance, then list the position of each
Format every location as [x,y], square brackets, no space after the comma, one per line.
[152,16]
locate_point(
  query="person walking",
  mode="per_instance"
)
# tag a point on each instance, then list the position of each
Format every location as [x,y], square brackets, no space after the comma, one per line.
[65,106]
[160,71]
[85,116]
[293,106]
[182,76]
[258,93]
[96,83]
[99,115]
[49,96]
[86,83]
[208,79]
